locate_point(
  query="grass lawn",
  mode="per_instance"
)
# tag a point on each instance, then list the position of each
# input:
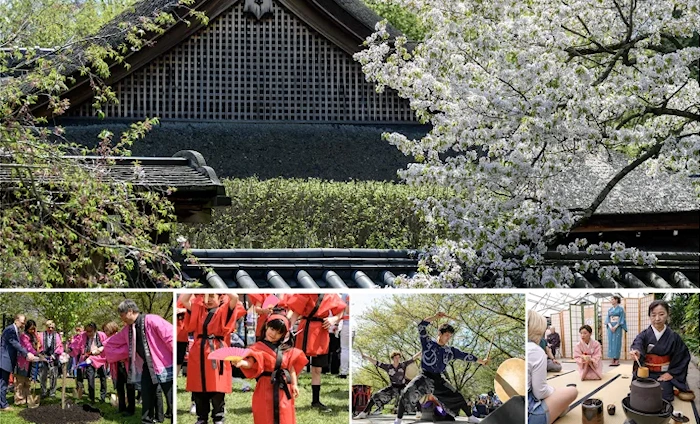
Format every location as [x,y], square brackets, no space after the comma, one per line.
[109,413]
[334,393]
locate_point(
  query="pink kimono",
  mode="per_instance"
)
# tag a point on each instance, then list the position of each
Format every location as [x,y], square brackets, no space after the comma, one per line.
[77,347]
[593,370]
[159,336]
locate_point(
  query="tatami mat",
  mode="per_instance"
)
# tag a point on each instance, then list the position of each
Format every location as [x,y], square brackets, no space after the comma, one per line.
[617,388]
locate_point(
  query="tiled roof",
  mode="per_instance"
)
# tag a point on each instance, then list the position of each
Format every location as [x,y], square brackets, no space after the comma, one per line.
[197,186]
[300,268]
[369,268]
[162,172]
[672,270]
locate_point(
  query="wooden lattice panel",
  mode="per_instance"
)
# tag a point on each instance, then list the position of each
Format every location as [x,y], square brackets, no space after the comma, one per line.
[566,335]
[644,320]
[604,308]
[242,69]
[633,314]
[557,324]
[590,317]
[576,318]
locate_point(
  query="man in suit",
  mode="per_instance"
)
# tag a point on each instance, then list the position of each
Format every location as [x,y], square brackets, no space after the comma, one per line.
[9,349]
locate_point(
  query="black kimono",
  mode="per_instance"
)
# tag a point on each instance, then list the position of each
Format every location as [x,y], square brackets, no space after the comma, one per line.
[669,354]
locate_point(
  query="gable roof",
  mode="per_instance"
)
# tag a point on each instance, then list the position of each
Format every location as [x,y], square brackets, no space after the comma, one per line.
[346,23]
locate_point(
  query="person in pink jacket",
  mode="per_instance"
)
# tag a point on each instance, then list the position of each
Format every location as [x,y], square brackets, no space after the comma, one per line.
[90,343]
[23,373]
[588,355]
[147,342]
[51,348]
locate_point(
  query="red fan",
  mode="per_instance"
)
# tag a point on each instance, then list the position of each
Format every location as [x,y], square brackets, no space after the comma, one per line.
[233,354]
[271,301]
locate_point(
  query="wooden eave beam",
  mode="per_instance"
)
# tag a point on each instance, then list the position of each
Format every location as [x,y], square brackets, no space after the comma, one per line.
[689,220]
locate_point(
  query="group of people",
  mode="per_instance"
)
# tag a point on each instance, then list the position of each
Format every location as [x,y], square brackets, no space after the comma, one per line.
[588,352]
[658,348]
[28,355]
[137,356]
[275,360]
[435,355]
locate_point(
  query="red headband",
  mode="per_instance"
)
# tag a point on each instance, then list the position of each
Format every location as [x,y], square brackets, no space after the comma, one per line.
[279,317]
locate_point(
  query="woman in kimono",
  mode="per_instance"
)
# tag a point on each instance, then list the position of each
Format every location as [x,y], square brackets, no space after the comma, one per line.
[614,324]
[665,354]
[588,355]
[275,365]
[212,318]
[24,369]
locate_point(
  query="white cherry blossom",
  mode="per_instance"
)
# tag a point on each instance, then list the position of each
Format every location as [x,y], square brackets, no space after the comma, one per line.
[518,92]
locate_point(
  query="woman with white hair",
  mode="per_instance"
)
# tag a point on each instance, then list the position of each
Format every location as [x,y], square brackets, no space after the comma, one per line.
[545,403]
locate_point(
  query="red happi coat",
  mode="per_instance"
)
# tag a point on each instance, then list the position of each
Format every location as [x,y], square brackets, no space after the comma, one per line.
[317,337]
[181,329]
[204,375]
[264,361]
[258,299]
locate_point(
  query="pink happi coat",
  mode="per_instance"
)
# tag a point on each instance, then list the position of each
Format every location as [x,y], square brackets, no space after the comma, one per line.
[77,348]
[159,336]
[593,370]
[58,345]
[26,343]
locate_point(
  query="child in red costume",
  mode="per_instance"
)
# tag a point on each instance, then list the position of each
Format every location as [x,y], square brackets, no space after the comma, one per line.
[275,366]
[212,318]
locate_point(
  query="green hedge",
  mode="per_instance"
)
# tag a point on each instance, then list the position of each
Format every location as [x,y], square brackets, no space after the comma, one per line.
[685,319]
[295,213]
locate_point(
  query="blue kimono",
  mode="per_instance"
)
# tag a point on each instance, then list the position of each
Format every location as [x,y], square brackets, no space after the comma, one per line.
[616,316]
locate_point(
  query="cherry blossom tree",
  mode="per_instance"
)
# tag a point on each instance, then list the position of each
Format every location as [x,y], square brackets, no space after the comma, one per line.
[519,93]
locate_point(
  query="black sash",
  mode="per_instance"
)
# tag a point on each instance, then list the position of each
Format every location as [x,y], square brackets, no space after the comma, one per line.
[280,379]
[203,360]
[309,319]
[148,360]
[245,323]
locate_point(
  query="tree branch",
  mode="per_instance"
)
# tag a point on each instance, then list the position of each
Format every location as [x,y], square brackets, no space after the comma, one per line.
[660,111]
[588,212]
